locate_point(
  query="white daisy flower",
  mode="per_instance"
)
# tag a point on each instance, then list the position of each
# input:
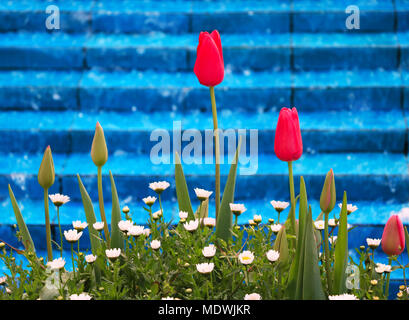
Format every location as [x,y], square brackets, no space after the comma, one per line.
[78,225]
[209,222]
[90,258]
[237,208]
[56,264]
[59,199]
[147,232]
[158,213]
[202,194]
[159,186]
[72,235]
[183,214]
[350,208]
[149,201]
[113,253]
[279,205]
[252,296]
[373,243]
[168,298]
[344,296]
[82,296]
[98,226]
[125,209]
[3,280]
[192,225]
[332,239]
[257,218]
[209,251]
[252,223]
[205,267]
[319,225]
[381,268]
[135,231]
[276,227]
[246,257]
[272,255]
[332,222]
[124,225]
[155,244]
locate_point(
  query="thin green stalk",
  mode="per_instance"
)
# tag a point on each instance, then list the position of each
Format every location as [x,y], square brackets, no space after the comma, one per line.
[217,150]
[72,258]
[101,206]
[160,207]
[236,219]
[59,228]
[327,255]
[387,280]
[47,226]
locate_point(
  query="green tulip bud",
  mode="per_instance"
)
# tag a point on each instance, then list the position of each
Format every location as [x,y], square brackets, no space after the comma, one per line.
[99,151]
[328,195]
[46,174]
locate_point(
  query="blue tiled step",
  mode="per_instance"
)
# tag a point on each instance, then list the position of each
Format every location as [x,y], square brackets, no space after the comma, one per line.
[166,52]
[145,91]
[66,132]
[365,176]
[195,16]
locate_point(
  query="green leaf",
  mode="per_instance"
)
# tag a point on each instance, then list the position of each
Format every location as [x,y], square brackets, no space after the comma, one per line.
[182,192]
[90,216]
[341,251]
[116,237]
[293,274]
[225,217]
[25,234]
[281,245]
[309,286]
[203,210]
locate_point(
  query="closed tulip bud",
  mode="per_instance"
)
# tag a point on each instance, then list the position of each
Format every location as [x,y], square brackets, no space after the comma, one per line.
[209,65]
[328,195]
[46,174]
[393,237]
[288,141]
[99,151]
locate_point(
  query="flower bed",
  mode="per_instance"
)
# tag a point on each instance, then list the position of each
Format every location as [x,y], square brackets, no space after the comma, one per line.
[203,257]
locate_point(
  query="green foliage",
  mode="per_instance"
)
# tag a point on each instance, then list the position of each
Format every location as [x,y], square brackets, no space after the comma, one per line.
[25,234]
[116,237]
[341,251]
[182,192]
[225,218]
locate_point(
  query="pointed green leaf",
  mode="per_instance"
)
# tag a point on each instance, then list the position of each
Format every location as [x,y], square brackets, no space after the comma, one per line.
[341,251]
[281,245]
[225,217]
[182,192]
[202,210]
[293,274]
[311,285]
[116,237]
[90,216]
[25,234]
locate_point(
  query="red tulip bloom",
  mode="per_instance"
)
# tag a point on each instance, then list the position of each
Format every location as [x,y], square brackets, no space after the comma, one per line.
[209,66]
[393,237]
[288,142]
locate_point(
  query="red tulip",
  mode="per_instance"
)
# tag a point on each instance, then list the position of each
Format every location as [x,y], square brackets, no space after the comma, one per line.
[393,237]
[288,142]
[209,66]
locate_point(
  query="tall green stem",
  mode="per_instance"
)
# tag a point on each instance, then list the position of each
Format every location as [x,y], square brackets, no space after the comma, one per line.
[72,258]
[101,206]
[59,228]
[292,196]
[47,226]
[217,150]
[327,255]
[388,278]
